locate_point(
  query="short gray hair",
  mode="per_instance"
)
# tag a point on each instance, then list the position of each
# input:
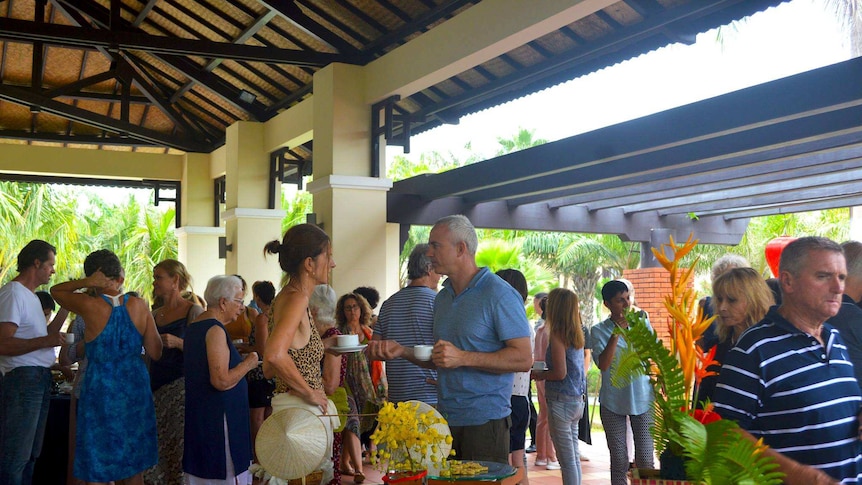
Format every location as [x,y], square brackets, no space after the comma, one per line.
[853,255]
[726,263]
[221,286]
[419,264]
[460,229]
[323,300]
[795,255]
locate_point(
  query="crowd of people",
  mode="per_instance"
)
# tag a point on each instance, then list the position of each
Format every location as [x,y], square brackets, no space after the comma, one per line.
[175,392]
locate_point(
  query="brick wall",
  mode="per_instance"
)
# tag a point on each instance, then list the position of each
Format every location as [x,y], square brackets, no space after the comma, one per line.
[651,286]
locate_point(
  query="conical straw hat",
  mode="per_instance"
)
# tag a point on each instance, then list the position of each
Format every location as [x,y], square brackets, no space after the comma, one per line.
[292,443]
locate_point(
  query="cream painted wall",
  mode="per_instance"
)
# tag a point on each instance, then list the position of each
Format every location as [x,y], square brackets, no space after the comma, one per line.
[79,162]
[249,230]
[247,166]
[355,215]
[197,191]
[342,122]
[198,250]
[292,127]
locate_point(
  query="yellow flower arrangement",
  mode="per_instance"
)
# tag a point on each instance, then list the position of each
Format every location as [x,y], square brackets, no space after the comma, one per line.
[409,439]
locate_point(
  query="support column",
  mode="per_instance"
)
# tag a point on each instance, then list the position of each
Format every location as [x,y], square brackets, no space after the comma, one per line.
[249,223]
[657,237]
[351,204]
[197,238]
[855,223]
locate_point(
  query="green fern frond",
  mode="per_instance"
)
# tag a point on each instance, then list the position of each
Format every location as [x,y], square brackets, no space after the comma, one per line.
[645,354]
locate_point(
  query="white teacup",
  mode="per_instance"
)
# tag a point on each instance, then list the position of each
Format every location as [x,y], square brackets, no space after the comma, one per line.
[422,352]
[347,340]
[539,365]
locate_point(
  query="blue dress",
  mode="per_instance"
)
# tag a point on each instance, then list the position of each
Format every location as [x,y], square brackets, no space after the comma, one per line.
[116,432]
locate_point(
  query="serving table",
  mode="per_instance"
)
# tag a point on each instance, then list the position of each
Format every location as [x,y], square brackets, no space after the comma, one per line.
[497,473]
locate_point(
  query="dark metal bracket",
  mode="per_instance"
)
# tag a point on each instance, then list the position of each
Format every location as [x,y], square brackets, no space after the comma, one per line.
[172,185]
[284,170]
[219,189]
[385,126]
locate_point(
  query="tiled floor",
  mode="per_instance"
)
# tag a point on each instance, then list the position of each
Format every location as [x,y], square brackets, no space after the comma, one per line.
[594,472]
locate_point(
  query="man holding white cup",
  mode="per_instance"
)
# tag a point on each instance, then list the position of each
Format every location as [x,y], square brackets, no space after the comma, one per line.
[407,318]
[482,338]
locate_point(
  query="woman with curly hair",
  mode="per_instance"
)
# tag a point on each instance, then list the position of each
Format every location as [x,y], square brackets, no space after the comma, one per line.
[365,380]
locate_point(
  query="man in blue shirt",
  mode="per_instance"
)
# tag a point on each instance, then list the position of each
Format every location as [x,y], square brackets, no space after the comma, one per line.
[482,336]
[789,379]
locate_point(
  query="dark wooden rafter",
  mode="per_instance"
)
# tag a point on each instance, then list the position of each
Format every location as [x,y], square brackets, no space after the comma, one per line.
[104,139]
[395,10]
[312,7]
[133,39]
[397,36]
[127,73]
[247,33]
[291,11]
[148,67]
[28,98]
[38,64]
[189,68]
[142,14]
[368,19]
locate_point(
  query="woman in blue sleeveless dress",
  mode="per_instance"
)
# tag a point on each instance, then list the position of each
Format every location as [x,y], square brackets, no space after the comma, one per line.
[116,432]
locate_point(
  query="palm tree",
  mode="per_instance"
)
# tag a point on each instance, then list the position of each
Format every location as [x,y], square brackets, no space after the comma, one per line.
[582,260]
[35,211]
[523,139]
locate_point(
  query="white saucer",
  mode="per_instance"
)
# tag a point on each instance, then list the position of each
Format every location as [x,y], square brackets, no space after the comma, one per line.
[349,349]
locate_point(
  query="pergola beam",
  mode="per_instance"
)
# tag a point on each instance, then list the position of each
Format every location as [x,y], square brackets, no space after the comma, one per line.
[404,209]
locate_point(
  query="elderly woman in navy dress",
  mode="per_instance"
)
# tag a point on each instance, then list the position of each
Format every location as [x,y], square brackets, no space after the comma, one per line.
[217,432]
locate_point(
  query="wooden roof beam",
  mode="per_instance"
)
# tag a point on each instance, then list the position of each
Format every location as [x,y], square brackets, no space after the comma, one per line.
[85,38]
[113,125]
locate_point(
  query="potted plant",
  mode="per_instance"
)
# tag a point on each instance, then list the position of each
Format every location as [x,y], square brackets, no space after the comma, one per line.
[410,437]
[694,445]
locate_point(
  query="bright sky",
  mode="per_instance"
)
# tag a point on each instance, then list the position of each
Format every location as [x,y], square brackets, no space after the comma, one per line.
[794,37]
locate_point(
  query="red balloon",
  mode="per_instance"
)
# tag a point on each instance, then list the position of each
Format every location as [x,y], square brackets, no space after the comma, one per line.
[773,252]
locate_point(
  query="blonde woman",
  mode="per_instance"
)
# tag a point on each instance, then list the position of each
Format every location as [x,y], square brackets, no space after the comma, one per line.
[171,281]
[740,298]
[565,382]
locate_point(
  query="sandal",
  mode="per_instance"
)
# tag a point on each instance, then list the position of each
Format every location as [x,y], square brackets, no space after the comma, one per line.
[346,472]
[358,477]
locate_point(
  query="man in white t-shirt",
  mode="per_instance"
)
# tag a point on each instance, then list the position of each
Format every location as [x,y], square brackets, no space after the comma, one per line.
[26,355]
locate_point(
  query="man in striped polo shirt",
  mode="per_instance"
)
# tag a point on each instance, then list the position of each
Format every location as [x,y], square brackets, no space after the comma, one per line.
[789,379]
[407,317]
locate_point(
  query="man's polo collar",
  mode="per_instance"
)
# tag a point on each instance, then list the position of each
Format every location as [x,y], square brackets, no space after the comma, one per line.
[482,273]
[783,323]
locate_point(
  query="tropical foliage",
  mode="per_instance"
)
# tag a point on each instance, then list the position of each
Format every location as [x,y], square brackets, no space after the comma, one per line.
[79,222]
[711,451]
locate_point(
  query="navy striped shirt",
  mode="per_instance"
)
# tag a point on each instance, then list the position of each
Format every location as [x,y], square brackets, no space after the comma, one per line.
[408,318]
[781,384]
